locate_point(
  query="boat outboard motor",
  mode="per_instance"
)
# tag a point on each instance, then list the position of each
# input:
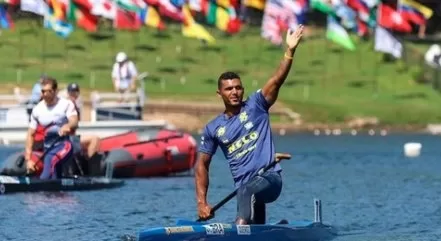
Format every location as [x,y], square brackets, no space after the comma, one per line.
[14,165]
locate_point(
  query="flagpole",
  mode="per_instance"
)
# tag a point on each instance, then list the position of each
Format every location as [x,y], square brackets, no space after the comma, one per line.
[376,65]
[66,53]
[43,49]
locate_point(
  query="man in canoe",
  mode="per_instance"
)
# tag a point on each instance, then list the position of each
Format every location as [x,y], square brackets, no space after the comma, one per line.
[58,118]
[243,132]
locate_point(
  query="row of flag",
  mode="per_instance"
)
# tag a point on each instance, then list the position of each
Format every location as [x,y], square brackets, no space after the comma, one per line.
[366,16]
[344,16]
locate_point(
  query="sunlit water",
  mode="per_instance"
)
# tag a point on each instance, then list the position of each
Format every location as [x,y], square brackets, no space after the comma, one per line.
[369,191]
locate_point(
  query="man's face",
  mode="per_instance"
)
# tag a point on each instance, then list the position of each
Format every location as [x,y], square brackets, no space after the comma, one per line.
[122,62]
[73,94]
[231,92]
[48,93]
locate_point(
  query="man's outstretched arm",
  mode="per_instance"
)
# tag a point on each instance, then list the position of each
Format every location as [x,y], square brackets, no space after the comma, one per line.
[271,89]
[201,177]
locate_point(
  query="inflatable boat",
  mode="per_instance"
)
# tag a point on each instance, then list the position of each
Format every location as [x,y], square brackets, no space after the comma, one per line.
[140,153]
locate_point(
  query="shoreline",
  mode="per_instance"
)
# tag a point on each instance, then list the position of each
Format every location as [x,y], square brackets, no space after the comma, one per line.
[192,116]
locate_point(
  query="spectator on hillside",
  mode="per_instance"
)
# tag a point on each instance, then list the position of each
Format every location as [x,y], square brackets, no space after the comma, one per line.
[124,74]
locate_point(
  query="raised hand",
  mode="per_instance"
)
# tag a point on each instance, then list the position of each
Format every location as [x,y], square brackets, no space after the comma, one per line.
[293,37]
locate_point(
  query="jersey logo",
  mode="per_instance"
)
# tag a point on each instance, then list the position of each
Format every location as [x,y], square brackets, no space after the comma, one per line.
[242,141]
[220,131]
[249,125]
[243,117]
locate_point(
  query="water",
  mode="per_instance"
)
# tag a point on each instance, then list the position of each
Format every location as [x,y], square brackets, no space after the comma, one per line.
[369,191]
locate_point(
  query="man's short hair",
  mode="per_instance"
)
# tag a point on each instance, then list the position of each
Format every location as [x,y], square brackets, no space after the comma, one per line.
[225,76]
[51,81]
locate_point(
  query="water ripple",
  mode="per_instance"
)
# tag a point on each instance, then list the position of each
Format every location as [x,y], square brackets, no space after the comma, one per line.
[369,191]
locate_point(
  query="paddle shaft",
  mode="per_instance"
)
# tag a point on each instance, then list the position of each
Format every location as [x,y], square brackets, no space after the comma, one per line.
[21,162]
[231,195]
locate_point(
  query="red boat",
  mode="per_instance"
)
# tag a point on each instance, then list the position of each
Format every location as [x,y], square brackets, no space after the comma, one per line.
[142,153]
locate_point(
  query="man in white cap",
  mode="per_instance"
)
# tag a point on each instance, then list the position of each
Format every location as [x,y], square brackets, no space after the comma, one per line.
[124,74]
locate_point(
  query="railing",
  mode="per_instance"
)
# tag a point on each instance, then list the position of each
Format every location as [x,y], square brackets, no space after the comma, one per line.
[14,108]
[119,106]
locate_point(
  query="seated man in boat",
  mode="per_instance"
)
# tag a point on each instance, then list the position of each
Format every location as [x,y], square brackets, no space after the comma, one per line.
[244,135]
[58,117]
[91,143]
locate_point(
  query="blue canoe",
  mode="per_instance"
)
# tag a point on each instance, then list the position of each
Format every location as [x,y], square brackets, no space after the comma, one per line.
[186,230]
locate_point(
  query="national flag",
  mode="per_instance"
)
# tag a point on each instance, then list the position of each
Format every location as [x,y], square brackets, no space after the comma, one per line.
[12,2]
[389,18]
[104,8]
[38,7]
[336,33]
[192,29]
[126,20]
[323,6]
[361,8]
[168,9]
[150,17]
[195,5]
[257,4]
[347,15]
[131,5]
[58,9]
[387,43]
[61,28]
[81,15]
[277,19]
[5,19]
[414,11]
[223,17]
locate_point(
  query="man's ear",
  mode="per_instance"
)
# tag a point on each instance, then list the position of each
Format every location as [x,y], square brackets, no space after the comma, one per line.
[218,93]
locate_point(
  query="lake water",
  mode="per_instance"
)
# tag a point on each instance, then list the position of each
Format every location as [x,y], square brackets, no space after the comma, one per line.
[369,191]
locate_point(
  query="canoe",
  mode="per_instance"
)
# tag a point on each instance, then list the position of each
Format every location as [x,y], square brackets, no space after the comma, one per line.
[281,231]
[12,184]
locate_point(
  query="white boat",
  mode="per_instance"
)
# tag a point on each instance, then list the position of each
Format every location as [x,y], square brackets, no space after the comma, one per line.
[109,116]
[16,133]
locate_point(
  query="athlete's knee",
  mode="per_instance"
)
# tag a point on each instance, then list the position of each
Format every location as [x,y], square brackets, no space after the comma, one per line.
[245,202]
[273,190]
[89,140]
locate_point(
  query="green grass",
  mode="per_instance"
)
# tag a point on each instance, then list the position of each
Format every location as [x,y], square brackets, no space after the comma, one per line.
[326,83]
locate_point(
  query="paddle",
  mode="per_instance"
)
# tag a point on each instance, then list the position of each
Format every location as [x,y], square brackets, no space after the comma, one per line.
[279,157]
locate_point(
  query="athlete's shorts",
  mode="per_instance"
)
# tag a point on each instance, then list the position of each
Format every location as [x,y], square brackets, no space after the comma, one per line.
[59,154]
[252,196]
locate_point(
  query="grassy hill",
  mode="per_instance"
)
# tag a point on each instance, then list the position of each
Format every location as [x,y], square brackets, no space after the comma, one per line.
[326,84]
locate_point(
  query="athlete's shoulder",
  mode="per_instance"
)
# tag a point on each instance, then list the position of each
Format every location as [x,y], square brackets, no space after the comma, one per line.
[39,106]
[65,101]
[214,123]
[255,95]
[258,99]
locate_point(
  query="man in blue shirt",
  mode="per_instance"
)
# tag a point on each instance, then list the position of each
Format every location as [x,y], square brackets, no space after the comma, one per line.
[35,95]
[36,90]
[243,133]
